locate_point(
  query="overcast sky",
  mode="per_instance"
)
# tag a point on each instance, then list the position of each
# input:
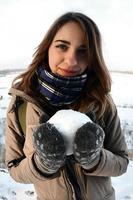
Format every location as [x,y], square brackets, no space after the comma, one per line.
[23,24]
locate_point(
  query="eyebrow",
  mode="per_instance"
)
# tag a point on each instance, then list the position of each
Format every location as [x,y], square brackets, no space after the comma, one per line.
[66,42]
[63,41]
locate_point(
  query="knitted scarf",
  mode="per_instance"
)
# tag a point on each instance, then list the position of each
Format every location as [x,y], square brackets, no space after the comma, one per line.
[59,90]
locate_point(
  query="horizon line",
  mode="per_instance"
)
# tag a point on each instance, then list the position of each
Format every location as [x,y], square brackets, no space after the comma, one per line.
[22,69]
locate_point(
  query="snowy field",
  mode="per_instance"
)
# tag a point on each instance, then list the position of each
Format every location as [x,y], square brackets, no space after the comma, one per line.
[123,97]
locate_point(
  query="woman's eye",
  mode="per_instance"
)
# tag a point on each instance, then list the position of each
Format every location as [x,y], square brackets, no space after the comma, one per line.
[62,47]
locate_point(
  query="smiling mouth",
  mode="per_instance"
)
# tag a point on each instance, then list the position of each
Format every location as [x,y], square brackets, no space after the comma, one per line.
[68,71]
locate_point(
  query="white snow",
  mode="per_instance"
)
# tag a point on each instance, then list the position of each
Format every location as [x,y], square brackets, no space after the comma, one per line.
[123,97]
[11,190]
[124,184]
[67,122]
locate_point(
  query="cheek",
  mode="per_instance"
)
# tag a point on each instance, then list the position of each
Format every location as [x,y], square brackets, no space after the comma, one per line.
[83,63]
[52,60]
[83,67]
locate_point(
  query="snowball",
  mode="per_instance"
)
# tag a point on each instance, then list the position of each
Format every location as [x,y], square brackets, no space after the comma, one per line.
[67,122]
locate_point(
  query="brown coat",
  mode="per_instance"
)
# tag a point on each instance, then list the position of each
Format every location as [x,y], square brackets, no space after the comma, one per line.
[94,185]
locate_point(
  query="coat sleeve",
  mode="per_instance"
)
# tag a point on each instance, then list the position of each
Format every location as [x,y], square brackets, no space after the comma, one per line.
[20,166]
[114,156]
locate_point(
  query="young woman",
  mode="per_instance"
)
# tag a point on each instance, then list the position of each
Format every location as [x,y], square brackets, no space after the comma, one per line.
[67,72]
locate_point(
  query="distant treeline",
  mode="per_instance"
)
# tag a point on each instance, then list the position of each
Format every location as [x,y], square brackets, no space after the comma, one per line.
[9,71]
[122,72]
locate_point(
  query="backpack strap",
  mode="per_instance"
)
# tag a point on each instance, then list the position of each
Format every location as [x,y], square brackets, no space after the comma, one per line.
[22,115]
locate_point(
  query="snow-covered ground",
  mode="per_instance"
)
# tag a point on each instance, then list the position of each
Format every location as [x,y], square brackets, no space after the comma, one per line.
[123,97]
[10,190]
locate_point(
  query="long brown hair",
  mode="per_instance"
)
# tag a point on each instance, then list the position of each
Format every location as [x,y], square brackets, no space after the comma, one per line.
[96,93]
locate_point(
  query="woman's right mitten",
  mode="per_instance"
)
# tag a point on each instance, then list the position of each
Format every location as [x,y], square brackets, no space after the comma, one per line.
[50,148]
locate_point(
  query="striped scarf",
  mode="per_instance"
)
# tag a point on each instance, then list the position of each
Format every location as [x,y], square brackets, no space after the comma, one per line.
[59,90]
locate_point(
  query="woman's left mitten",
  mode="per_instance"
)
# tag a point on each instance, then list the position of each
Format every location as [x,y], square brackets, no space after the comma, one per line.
[87,145]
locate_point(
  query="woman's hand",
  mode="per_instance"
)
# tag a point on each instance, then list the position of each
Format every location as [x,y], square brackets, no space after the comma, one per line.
[50,148]
[87,145]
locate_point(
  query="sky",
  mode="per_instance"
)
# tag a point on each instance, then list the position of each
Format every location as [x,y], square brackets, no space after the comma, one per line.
[23,24]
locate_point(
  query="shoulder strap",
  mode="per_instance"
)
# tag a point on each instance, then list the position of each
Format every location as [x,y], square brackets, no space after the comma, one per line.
[22,115]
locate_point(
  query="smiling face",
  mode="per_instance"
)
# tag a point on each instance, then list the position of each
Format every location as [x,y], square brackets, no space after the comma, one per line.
[67,54]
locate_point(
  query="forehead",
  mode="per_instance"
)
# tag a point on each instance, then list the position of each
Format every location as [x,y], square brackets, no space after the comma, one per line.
[71,31]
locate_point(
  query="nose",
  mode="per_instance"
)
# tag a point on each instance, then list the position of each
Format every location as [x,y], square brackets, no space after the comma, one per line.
[71,59]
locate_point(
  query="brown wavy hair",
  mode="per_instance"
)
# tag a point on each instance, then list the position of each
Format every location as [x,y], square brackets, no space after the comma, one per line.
[95,96]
